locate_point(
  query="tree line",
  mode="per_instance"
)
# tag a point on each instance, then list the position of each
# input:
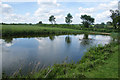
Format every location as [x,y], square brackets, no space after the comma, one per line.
[88,20]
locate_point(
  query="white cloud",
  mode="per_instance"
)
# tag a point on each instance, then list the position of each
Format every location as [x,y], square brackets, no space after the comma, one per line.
[16,18]
[109,5]
[86,10]
[52,7]
[10,17]
[51,3]
[103,17]
[101,12]
[5,8]
[79,14]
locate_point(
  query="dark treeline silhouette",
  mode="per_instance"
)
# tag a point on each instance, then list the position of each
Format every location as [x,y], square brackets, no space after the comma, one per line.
[16,23]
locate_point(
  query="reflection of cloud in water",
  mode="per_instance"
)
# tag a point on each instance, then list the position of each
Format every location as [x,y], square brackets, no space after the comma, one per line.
[5,44]
[100,37]
[8,44]
[42,42]
[46,45]
[79,36]
[1,41]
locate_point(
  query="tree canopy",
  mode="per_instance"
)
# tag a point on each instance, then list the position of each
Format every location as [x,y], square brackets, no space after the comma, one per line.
[115,16]
[52,19]
[87,20]
[68,19]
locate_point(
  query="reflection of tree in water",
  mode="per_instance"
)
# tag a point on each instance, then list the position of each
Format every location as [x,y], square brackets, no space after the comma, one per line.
[8,40]
[68,39]
[85,36]
[51,38]
[86,41]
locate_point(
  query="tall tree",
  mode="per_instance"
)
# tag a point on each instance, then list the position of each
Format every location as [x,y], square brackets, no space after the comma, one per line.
[40,22]
[115,16]
[52,19]
[68,19]
[118,18]
[87,20]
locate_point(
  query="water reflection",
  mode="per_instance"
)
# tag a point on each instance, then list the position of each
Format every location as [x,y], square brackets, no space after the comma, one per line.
[8,40]
[51,38]
[85,36]
[68,39]
[86,40]
[36,53]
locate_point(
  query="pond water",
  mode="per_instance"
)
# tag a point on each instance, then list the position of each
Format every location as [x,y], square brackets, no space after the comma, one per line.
[36,53]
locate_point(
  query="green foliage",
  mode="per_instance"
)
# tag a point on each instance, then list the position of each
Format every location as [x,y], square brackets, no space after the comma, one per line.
[99,26]
[87,20]
[68,18]
[52,19]
[40,22]
[109,23]
[115,16]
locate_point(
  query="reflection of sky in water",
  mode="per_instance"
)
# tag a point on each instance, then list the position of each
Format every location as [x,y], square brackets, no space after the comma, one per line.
[0,58]
[26,51]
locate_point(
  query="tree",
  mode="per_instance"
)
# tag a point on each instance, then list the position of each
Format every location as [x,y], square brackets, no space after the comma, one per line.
[87,20]
[118,21]
[102,23]
[109,23]
[68,18]
[115,16]
[40,22]
[118,18]
[52,19]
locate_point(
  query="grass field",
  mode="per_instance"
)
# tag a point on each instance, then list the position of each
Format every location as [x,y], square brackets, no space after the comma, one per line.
[13,30]
[108,70]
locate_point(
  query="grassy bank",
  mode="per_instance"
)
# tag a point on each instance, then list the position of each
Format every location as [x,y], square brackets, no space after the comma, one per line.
[98,62]
[80,27]
[22,30]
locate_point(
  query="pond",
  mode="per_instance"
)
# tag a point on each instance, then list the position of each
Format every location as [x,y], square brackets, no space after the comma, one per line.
[36,53]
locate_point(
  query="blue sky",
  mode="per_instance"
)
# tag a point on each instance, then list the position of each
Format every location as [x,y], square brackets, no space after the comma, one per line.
[23,7]
[33,12]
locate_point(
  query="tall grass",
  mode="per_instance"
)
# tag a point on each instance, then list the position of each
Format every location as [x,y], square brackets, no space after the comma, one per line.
[13,30]
[79,27]
[31,30]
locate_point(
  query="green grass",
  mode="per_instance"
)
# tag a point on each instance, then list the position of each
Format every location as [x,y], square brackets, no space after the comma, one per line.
[108,70]
[10,30]
[21,30]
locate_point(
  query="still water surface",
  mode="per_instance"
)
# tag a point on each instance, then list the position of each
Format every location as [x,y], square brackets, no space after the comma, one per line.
[35,53]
